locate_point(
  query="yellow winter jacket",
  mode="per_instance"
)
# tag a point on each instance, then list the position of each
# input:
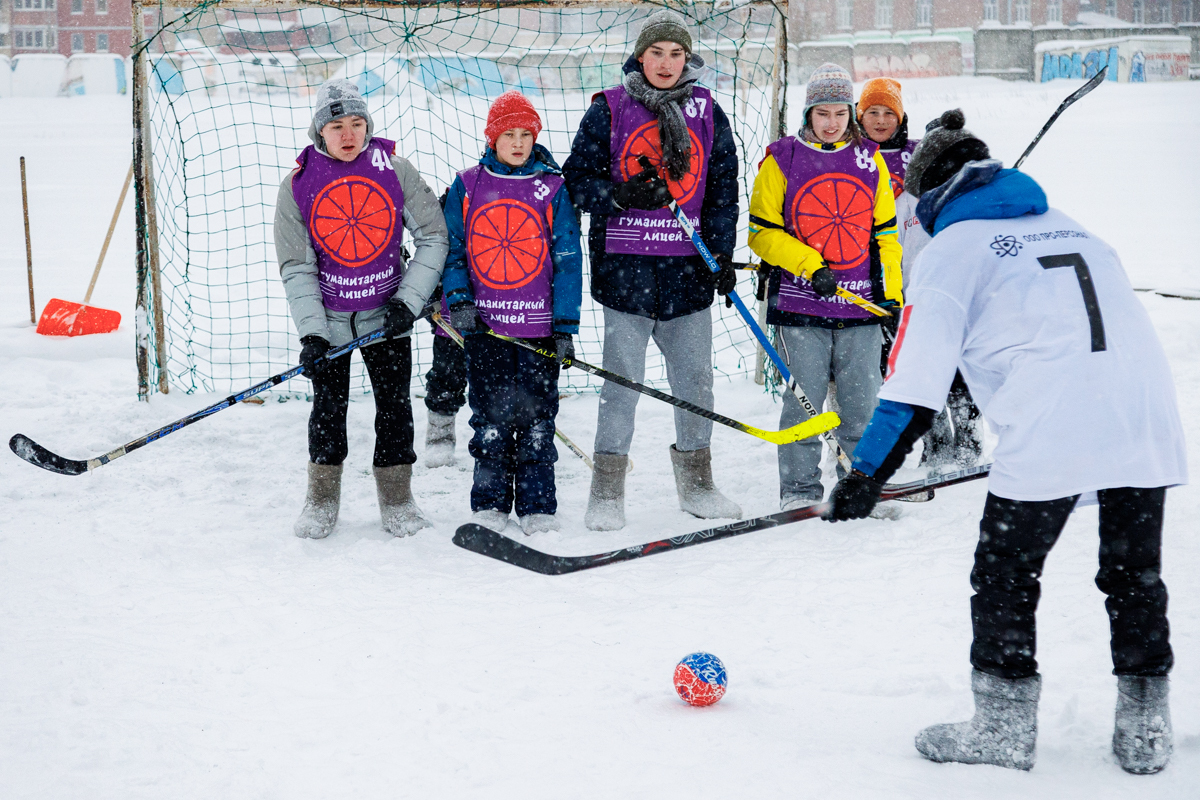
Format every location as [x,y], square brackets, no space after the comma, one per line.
[774,245]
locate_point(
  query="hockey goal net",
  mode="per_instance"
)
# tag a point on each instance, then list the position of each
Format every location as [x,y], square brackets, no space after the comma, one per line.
[223,98]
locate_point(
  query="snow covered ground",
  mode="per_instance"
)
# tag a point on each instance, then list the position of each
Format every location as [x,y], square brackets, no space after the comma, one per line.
[163,634]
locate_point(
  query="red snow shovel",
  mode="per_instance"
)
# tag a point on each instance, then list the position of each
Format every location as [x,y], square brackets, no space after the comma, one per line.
[63,318]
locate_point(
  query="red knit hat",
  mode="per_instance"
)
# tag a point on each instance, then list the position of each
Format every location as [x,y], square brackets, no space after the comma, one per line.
[511,110]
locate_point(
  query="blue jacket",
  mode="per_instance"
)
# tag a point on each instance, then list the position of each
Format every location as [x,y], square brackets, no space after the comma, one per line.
[565,250]
[659,287]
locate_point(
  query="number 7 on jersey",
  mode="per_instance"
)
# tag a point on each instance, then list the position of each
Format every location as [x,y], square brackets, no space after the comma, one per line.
[1088,288]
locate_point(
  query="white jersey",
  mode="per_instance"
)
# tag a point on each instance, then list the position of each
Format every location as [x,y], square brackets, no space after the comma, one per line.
[1058,352]
[911,235]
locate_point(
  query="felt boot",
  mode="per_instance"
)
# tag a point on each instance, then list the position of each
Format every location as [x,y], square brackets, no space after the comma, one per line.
[1003,731]
[606,503]
[1142,738]
[439,441]
[399,511]
[321,502]
[694,484]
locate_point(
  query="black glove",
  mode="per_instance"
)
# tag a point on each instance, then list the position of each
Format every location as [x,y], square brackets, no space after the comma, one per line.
[727,277]
[464,317]
[313,347]
[645,191]
[399,320]
[890,324]
[564,349]
[824,282]
[854,497]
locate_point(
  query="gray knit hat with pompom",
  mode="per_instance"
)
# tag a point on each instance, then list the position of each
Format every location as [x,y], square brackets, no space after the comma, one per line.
[947,145]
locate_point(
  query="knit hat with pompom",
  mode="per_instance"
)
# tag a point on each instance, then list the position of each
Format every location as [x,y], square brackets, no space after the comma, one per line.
[511,110]
[941,154]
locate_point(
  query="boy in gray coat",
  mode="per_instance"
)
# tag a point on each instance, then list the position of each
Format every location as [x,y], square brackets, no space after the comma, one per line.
[339,225]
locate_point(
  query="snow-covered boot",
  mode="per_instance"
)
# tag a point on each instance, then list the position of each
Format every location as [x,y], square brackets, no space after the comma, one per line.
[399,511]
[439,440]
[321,502]
[1142,736]
[539,523]
[698,495]
[606,503]
[1003,731]
[491,518]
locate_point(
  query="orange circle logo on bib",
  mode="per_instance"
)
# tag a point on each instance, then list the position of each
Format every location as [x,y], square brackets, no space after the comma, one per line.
[506,244]
[834,214]
[645,142]
[353,219]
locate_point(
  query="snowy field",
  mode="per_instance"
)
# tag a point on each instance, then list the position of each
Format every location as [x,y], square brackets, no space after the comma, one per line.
[164,635]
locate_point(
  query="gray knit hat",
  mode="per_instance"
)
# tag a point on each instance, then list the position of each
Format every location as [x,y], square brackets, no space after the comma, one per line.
[829,83]
[663,26]
[946,146]
[336,98]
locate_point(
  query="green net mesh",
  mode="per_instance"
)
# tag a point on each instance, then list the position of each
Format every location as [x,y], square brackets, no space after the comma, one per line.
[230,97]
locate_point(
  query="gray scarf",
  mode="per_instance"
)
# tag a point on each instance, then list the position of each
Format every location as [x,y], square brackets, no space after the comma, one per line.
[667,105]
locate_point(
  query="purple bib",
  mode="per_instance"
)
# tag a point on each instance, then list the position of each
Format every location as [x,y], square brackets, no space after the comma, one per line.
[354,215]
[830,206]
[634,133]
[508,220]
[897,164]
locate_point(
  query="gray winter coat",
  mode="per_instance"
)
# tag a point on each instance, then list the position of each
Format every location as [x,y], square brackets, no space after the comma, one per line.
[298,261]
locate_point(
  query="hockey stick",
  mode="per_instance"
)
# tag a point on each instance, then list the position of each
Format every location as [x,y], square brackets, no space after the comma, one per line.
[29,450]
[793,387]
[485,541]
[562,437]
[1075,95]
[803,430]
[845,294]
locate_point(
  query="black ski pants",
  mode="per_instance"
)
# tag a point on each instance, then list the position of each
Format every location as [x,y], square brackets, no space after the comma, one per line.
[1014,538]
[446,381]
[389,365]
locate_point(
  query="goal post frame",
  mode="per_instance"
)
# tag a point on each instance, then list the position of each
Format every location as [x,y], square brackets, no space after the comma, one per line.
[149,312]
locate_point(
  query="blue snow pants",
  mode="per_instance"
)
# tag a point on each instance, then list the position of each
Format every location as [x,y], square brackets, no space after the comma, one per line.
[513,395]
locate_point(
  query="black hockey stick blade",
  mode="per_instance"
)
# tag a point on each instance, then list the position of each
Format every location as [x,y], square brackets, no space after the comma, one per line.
[1096,80]
[488,542]
[29,450]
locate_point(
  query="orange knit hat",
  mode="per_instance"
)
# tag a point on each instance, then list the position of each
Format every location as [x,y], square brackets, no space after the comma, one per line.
[511,110]
[881,92]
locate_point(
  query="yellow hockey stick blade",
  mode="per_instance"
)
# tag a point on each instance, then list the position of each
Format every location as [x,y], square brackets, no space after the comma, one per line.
[878,311]
[807,429]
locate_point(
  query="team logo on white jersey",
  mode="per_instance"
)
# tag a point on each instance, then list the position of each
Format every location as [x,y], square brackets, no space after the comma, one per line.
[1006,245]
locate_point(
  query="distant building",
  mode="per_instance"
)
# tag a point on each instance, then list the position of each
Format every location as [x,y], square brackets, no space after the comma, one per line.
[814,19]
[66,27]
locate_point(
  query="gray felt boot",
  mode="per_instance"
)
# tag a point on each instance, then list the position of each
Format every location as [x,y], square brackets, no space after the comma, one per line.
[321,501]
[1003,731]
[606,504]
[1142,736]
[694,484]
[399,511]
[439,440]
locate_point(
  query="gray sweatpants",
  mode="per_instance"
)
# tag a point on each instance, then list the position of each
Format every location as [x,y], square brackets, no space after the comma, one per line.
[686,344]
[813,355]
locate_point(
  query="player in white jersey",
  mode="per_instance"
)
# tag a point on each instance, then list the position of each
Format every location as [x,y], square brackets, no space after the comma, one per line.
[1037,313]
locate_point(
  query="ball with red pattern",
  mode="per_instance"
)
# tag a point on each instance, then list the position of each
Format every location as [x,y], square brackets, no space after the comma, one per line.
[700,679]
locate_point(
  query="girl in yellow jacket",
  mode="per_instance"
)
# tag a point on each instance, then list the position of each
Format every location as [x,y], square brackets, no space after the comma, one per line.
[823,211]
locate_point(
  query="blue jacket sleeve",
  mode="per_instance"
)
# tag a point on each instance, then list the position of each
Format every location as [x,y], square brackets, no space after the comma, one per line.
[719,214]
[890,436]
[588,170]
[567,255]
[456,277]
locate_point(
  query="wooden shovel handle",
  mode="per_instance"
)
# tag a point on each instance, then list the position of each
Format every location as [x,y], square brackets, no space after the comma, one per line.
[111,226]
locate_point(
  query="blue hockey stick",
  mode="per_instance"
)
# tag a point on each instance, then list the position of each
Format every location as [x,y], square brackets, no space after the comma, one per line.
[776,359]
